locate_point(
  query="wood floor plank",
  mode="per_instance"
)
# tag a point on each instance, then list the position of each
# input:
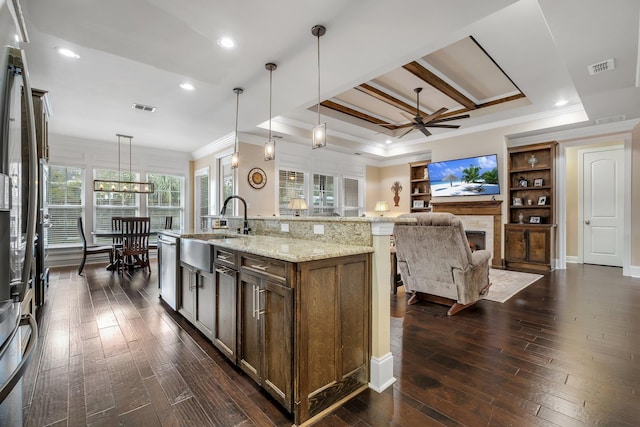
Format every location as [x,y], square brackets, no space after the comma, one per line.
[564,352]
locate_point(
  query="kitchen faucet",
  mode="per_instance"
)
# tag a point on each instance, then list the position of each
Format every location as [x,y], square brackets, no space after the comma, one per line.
[245,225]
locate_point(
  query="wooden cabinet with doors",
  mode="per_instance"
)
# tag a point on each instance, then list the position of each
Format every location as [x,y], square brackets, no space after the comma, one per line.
[225,302]
[197,298]
[420,195]
[265,330]
[530,231]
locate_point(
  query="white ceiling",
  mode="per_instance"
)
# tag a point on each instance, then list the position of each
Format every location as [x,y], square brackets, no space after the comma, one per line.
[140,51]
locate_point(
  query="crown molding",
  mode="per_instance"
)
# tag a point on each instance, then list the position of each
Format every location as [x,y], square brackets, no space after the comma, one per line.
[215,146]
[569,135]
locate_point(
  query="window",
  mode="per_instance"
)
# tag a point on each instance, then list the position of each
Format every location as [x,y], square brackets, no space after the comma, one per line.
[108,204]
[351,197]
[202,197]
[64,197]
[291,185]
[167,200]
[323,195]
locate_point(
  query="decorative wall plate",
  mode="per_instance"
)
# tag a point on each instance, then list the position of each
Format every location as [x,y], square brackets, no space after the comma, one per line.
[257,178]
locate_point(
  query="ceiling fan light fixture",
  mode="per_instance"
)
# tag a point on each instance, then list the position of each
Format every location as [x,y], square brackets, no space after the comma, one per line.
[270,145]
[319,134]
[235,157]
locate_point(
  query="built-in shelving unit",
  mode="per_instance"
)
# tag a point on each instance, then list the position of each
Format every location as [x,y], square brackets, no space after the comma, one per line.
[530,231]
[420,188]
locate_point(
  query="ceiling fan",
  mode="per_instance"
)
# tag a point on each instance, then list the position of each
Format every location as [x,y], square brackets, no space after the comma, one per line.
[432,120]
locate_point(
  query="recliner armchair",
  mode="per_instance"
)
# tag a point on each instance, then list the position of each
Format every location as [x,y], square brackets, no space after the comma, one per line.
[436,263]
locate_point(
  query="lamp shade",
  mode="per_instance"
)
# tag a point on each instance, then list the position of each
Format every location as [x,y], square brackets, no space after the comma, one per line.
[381,206]
[297,204]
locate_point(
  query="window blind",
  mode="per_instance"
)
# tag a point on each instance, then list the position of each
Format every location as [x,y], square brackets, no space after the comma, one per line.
[167,200]
[65,189]
[351,197]
[107,205]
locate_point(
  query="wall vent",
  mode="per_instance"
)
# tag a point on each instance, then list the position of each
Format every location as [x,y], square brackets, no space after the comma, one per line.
[601,67]
[143,107]
[612,119]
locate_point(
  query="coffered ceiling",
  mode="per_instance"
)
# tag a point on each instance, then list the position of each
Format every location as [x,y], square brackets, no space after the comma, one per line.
[497,61]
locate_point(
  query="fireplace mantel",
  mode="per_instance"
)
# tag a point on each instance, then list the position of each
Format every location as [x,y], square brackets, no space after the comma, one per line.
[487,208]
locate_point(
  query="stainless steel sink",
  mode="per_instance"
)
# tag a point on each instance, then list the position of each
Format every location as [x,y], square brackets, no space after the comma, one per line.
[197,253]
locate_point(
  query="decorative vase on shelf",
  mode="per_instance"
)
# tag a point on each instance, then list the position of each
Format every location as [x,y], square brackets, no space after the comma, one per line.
[532,160]
[520,218]
[426,173]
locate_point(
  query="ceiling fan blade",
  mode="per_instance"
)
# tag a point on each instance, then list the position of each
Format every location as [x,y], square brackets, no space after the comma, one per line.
[448,119]
[424,130]
[406,132]
[406,116]
[433,115]
[436,125]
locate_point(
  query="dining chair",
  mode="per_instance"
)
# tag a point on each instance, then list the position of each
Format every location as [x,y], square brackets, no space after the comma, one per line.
[91,250]
[135,244]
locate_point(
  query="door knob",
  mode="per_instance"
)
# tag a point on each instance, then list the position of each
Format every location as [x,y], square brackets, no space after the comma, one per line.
[587,221]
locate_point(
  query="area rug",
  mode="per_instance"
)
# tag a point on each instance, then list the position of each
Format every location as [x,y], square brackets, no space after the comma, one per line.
[506,283]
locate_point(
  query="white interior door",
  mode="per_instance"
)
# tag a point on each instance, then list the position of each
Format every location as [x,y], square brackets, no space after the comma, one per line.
[603,204]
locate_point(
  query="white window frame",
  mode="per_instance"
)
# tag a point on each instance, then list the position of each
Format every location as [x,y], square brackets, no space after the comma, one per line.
[197,205]
[183,196]
[52,208]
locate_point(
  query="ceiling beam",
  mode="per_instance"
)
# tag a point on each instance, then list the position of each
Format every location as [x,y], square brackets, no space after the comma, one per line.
[439,84]
[385,97]
[354,113]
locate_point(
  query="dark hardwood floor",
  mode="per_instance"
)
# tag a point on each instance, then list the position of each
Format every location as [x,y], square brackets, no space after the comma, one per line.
[564,351]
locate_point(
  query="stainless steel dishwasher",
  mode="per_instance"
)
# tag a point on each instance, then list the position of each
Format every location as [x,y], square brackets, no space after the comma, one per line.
[168,259]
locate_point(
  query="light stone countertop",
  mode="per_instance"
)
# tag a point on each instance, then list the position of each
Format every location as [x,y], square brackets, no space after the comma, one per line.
[288,249]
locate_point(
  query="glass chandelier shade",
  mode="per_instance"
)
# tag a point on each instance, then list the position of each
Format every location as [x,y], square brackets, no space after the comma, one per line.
[319,135]
[270,145]
[235,157]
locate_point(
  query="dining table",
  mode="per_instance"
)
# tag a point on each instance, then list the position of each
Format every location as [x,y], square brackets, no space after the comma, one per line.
[111,234]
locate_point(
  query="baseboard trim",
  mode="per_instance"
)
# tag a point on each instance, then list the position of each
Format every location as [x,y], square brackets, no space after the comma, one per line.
[573,259]
[381,373]
[634,271]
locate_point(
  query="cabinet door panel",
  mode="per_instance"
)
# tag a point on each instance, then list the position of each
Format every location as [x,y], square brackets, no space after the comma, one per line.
[224,334]
[516,244]
[205,308]
[248,334]
[187,293]
[277,324]
[538,242]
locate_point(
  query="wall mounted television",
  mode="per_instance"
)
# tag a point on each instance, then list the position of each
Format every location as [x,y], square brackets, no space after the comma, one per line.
[471,176]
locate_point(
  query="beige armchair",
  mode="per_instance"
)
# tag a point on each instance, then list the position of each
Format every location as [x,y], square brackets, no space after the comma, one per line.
[436,263]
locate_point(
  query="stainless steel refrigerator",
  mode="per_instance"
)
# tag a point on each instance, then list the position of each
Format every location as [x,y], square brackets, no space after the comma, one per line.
[18,212]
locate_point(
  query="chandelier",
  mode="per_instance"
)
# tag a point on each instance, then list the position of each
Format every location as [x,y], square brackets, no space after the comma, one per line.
[119,185]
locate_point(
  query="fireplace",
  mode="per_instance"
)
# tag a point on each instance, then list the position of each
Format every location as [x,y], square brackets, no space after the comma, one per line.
[483,216]
[476,239]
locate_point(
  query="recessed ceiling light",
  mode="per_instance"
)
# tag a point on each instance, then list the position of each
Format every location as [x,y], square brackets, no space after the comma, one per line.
[388,141]
[226,42]
[561,102]
[187,86]
[67,52]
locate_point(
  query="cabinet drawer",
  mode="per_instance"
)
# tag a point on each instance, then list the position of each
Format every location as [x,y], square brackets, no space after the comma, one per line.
[222,256]
[272,267]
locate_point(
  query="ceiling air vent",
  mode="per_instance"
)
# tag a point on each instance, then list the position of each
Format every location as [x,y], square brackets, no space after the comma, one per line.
[613,119]
[601,67]
[143,107]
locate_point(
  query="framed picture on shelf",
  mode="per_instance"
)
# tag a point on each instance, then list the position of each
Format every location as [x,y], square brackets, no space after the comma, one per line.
[538,182]
[522,182]
[542,200]
[517,201]
[534,220]
[419,204]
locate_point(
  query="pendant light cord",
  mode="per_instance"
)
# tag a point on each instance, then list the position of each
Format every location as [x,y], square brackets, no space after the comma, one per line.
[237,110]
[318,78]
[270,91]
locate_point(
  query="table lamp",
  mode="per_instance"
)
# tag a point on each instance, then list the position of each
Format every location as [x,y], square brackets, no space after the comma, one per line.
[297,204]
[382,207]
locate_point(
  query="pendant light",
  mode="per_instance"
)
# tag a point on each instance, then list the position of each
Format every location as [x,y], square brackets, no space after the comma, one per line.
[319,138]
[119,185]
[270,145]
[235,157]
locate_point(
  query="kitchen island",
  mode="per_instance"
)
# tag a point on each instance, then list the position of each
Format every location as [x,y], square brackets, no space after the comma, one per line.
[295,313]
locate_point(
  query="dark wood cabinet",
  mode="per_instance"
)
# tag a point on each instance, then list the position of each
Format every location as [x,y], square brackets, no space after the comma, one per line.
[266,327]
[300,330]
[530,231]
[224,329]
[197,293]
[420,195]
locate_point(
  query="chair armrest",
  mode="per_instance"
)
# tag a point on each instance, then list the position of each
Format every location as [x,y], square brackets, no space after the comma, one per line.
[479,257]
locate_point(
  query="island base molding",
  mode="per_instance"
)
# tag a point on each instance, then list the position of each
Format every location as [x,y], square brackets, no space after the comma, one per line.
[381,373]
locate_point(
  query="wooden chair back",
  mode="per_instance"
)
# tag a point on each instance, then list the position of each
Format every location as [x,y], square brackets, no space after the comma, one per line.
[135,235]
